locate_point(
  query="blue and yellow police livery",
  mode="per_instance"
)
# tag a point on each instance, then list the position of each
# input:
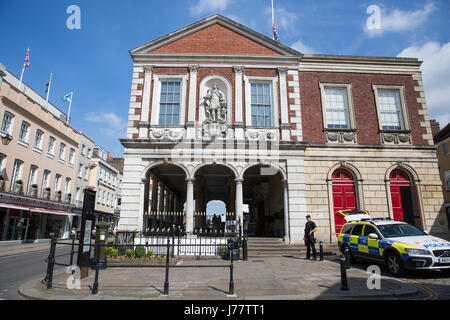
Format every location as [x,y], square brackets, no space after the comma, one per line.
[397,244]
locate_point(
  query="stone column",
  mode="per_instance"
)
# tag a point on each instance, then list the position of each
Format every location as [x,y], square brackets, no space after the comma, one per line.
[285,132]
[192,101]
[144,123]
[239,201]
[286,211]
[155,186]
[238,120]
[190,205]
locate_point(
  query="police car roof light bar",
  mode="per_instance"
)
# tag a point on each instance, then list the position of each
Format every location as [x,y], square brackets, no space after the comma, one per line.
[371,219]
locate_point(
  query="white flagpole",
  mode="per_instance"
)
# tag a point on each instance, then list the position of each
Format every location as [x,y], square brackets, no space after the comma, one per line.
[273,19]
[21,75]
[70,104]
[48,89]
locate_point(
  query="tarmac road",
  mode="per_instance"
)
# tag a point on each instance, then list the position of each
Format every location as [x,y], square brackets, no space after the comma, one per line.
[433,284]
[17,269]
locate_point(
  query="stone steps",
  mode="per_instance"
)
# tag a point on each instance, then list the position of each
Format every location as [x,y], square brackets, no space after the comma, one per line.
[275,247]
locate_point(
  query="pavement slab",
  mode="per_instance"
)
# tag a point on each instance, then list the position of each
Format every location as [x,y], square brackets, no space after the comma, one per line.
[281,278]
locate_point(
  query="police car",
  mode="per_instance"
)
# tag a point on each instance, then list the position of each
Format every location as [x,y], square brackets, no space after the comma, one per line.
[396,244]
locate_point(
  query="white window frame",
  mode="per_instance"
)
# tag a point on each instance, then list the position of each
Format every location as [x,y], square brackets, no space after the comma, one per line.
[2,163]
[57,184]
[4,121]
[71,156]
[31,177]
[45,181]
[62,152]
[38,138]
[23,133]
[16,174]
[350,108]
[77,194]
[51,147]
[403,108]
[248,102]
[158,78]
[80,171]
[67,186]
[86,173]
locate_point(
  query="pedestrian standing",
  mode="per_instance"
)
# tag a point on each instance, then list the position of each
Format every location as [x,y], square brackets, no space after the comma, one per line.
[310,228]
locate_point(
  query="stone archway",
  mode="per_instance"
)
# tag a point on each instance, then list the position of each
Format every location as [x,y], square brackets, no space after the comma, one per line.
[164,196]
[213,181]
[404,196]
[264,191]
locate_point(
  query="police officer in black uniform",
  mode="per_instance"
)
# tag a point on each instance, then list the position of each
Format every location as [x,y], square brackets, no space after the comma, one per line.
[310,228]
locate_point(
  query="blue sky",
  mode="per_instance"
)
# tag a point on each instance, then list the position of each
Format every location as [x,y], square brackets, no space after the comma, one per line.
[94,61]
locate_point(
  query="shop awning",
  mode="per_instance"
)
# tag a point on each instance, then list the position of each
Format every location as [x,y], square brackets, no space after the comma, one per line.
[37,209]
[13,206]
[50,211]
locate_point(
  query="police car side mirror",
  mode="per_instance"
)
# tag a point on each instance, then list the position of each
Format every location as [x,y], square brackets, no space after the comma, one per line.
[373,236]
[425,231]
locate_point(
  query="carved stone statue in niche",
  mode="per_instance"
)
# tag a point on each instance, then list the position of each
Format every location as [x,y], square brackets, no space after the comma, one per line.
[215,105]
[215,111]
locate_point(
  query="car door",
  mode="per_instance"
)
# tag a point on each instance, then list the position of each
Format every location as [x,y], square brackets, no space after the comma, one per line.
[373,245]
[354,239]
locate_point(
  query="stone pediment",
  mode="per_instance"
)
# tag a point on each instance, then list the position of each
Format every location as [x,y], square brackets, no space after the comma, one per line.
[215,35]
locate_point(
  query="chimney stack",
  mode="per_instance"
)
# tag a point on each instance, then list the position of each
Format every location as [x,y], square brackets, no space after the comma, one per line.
[434,127]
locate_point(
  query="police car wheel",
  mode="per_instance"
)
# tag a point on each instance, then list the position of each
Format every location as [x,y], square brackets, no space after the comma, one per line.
[394,263]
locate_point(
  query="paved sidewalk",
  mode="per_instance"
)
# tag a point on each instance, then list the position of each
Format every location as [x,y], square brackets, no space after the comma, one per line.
[286,278]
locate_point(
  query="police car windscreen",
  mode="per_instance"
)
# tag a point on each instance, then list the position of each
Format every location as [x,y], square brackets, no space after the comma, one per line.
[400,230]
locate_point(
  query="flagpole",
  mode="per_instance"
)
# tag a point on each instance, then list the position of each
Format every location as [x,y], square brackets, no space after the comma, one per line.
[70,104]
[273,19]
[48,89]
[21,76]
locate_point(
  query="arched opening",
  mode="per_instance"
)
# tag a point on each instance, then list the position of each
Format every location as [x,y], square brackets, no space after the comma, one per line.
[216,214]
[344,195]
[401,196]
[165,195]
[263,193]
[214,184]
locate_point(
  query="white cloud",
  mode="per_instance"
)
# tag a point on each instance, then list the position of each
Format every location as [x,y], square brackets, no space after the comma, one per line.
[284,19]
[435,75]
[301,47]
[398,20]
[113,125]
[208,6]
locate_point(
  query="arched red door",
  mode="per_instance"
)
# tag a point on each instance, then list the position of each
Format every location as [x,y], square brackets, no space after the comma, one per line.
[344,196]
[400,194]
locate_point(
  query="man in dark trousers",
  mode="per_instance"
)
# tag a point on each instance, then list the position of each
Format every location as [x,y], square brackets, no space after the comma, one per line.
[310,228]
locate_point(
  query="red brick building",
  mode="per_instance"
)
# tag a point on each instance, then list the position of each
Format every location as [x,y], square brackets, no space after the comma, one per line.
[221,112]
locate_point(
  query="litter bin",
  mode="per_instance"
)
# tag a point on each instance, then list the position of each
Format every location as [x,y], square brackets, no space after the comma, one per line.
[233,248]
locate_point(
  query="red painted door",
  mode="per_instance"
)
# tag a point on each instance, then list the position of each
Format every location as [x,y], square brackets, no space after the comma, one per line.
[398,179]
[344,196]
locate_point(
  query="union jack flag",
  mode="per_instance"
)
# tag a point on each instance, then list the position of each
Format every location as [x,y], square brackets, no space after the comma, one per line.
[275,34]
[27,60]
